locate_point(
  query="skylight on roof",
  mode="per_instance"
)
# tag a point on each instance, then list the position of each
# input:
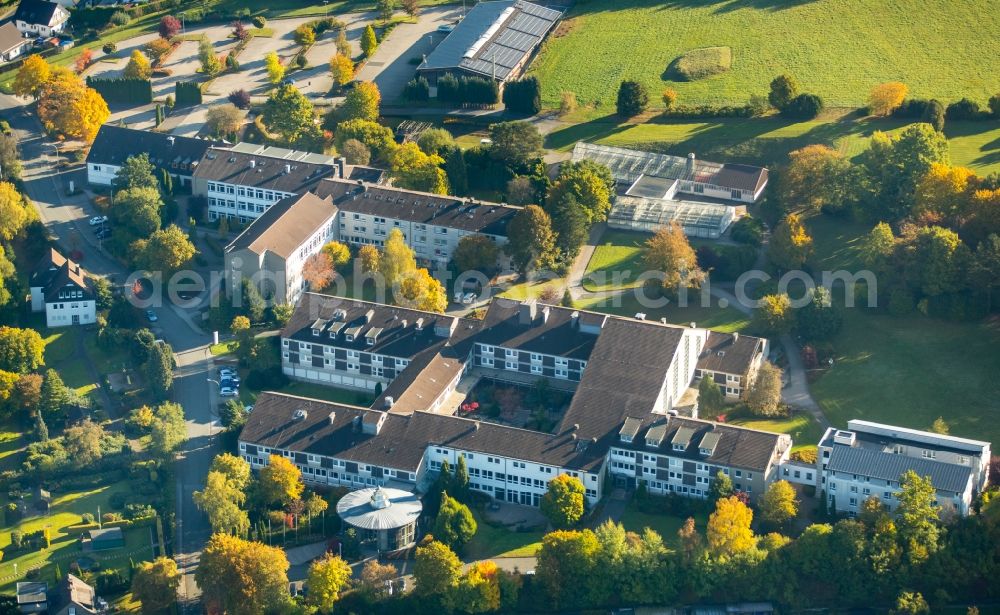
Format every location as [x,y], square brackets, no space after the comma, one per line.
[471,51]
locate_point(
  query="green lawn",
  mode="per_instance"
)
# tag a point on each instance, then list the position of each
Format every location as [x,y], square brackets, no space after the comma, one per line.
[905,370]
[66,510]
[222,348]
[838,49]
[665,525]
[11,443]
[767,141]
[619,252]
[490,542]
[534,290]
[802,427]
[712,317]
[327,393]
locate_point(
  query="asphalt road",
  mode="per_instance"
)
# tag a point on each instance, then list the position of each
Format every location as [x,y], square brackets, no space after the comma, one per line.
[66,218]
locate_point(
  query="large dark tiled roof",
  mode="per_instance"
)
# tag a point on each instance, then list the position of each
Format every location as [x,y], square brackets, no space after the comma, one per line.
[888,466]
[729,353]
[115,144]
[286,225]
[420,207]
[261,171]
[551,330]
[36,11]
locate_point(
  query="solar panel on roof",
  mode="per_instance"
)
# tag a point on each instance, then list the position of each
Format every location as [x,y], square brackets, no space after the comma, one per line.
[517,40]
[538,11]
[523,22]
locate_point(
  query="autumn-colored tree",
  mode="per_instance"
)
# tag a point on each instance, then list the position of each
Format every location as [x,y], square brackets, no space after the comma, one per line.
[138,66]
[318,271]
[67,106]
[339,253]
[944,195]
[280,481]
[90,113]
[563,502]
[242,577]
[83,60]
[774,315]
[783,89]
[778,505]
[669,252]
[327,577]
[397,259]
[157,48]
[155,584]
[361,103]
[355,152]
[374,577]
[436,569]
[305,35]
[13,213]
[274,68]
[21,350]
[210,62]
[917,517]
[764,396]
[565,557]
[415,170]
[816,176]
[222,500]
[342,69]
[476,253]
[371,259]
[32,75]
[224,120]
[169,26]
[669,98]
[729,530]
[289,113]
[478,591]
[791,244]
[886,98]
[419,290]
[235,469]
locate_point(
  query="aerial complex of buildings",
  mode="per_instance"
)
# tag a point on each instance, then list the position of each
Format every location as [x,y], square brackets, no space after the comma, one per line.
[633,414]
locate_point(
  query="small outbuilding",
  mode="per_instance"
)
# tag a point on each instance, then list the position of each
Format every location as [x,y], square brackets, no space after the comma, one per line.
[102,540]
[384,516]
[43,499]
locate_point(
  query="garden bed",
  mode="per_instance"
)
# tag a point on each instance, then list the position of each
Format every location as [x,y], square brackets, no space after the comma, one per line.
[538,407]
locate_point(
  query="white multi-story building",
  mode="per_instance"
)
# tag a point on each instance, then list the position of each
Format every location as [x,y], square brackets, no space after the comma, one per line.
[272,251]
[59,288]
[868,459]
[432,224]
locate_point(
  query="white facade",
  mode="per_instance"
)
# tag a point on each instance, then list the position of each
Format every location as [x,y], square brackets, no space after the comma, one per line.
[73,309]
[56,25]
[846,493]
[508,479]
[339,367]
[101,174]
[332,471]
[239,202]
[429,242]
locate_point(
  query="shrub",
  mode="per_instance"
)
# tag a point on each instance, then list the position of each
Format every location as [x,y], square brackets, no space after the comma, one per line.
[702,63]
[911,108]
[567,103]
[110,581]
[109,48]
[708,111]
[240,98]
[934,114]
[994,105]
[232,63]
[523,96]
[749,231]
[901,301]
[188,93]
[87,517]
[301,61]
[111,516]
[965,109]
[803,107]
[669,98]
[305,35]
[758,105]
[633,98]
[138,511]
[417,90]
[259,21]
[120,18]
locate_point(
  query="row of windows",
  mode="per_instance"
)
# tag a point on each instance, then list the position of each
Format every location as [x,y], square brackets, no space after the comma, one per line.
[253,193]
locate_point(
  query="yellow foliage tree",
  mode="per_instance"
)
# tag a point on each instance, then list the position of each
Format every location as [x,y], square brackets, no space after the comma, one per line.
[342,69]
[729,530]
[32,75]
[90,112]
[816,175]
[13,214]
[669,252]
[138,66]
[275,71]
[944,194]
[415,170]
[790,244]
[886,97]
[280,481]
[67,106]
[420,291]
[397,259]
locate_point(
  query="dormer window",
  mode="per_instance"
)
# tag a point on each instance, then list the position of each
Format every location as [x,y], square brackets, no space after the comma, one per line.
[680,447]
[681,439]
[629,429]
[655,435]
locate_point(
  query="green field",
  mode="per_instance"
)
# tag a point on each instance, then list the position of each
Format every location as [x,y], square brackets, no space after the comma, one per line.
[906,370]
[665,525]
[838,49]
[803,429]
[497,541]
[767,141]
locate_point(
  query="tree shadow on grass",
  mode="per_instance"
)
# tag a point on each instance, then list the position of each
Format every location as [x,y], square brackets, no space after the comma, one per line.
[593,130]
[583,7]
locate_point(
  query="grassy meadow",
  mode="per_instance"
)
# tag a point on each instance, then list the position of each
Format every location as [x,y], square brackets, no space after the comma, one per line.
[838,49]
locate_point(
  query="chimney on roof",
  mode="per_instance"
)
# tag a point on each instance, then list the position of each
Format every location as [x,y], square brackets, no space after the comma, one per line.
[389,401]
[419,324]
[694,325]
[253,164]
[576,427]
[527,311]
[333,417]
[342,167]
[405,323]
[545,314]
[368,316]
[690,163]
[288,168]
[477,425]
[171,140]
[736,336]
[574,319]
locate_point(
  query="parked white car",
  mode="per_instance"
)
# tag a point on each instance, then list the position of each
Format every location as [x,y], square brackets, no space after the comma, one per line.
[228,392]
[98,220]
[469,298]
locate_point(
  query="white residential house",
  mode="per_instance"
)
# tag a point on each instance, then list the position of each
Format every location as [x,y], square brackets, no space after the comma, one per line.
[59,288]
[12,44]
[36,18]
[113,145]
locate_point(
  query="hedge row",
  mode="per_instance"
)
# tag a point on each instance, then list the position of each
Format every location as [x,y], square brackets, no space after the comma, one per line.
[187,93]
[124,524]
[127,90]
[468,90]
